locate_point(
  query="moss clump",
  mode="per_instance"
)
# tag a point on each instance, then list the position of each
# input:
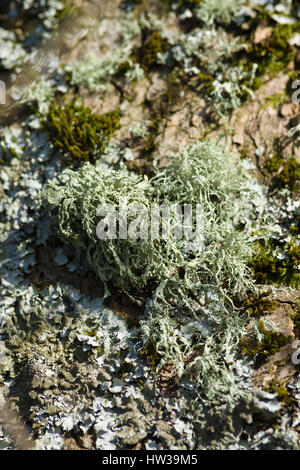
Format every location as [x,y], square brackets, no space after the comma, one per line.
[125,66]
[150,353]
[293,76]
[284,173]
[153,45]
[274,53]
[257,306]
[296,318]
[290,174]
[271,55]
[276,100]
[79,132]
[206,80]
[269,269]
[271,342]
[275,386]
[154,126]
[274,163]
[144,165]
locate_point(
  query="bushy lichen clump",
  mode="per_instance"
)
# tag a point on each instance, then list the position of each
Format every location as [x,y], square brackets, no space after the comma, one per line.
[214,11]
[79,132]
[200,175]
[173,275]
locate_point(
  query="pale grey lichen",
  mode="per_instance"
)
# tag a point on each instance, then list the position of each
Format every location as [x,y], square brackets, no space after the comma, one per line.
[38,93]
[11,53]
[203,173]
[211,11]
[94,69]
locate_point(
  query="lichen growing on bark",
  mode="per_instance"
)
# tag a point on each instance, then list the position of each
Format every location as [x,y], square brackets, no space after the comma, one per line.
[175,278]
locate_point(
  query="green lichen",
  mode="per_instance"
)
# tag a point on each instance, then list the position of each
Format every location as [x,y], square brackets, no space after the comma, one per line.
[214,11]
[173,185]
[79,132]
[38,94]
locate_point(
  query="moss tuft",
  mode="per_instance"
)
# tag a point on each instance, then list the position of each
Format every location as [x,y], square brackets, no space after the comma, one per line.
[290,174]
[257,306]
[271,55]
[269,269]
[79,132]
[149,352]
[279,388]
[296,318]
[271,342]
[284,173]
[274,163]
[152,46]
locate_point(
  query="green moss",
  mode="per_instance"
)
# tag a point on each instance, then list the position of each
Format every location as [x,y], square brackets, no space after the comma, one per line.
[276,100]
[296,318]
[152,46]
[271,342]
[274,163]
[284,173]
[262,15]
[92,334]
[125,369]
[207,82]
[279,388]
[293,75]
[128,64]
[275,53]
[79,132]
[290,174]
[40,285]
[154,128]
[144,166]
[270,270]
[271,55]
[150,353]
[258,305]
